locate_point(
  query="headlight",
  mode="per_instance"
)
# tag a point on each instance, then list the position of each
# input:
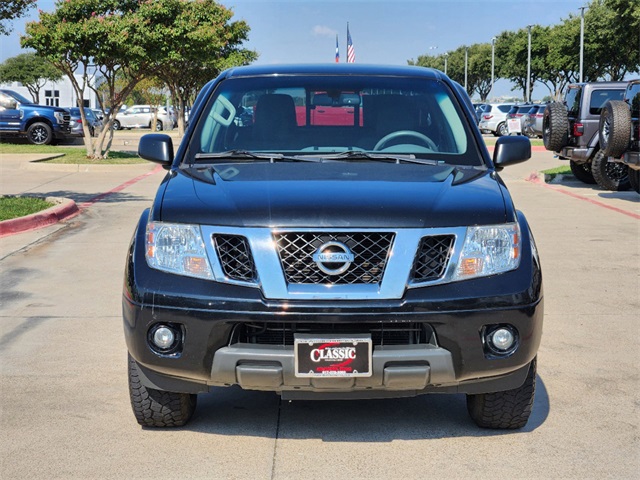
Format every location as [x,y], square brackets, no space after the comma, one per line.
[59,116]
[489,250]
[177,248]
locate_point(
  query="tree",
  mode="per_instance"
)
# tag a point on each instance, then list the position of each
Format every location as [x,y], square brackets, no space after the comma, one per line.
[31,71]
[612,46]
[479,70]
[560,64]
[12,9]
[511,50]
[478,67]
[198,40]
[429,61]
[105,38]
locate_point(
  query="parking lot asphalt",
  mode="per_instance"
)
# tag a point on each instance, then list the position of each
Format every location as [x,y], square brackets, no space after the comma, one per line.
[65,410]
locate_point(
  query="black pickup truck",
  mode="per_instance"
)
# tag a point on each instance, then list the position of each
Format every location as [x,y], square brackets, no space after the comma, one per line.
[377,256]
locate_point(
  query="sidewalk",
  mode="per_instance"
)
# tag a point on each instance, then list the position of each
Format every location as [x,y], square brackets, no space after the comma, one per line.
[20,174]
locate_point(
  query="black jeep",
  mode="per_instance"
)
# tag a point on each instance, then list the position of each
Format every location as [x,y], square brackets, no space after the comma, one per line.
[570,129]
[620,131]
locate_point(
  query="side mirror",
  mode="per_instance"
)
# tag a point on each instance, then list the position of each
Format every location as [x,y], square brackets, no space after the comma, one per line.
[156,147]
[511,150]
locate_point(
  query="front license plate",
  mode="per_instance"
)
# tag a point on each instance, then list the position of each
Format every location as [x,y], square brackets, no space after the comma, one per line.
[317,356]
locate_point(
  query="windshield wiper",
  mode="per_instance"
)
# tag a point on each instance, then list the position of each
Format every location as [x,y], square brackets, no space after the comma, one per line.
[249,155]
[361,155]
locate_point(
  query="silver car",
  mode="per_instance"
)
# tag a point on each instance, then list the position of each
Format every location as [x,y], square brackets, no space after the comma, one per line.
[141,116]
[532,121]
[494,119]
[76,122]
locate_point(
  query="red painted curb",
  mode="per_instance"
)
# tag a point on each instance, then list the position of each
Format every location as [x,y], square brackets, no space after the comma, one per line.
[63,211]
[67,208]
[534,148]
[534,178]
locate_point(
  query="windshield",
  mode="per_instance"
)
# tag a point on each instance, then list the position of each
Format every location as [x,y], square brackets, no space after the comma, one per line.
[321,116]
[19,98]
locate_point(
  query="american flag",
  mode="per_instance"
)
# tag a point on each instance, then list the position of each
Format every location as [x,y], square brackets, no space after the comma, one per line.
[337,51]
[351,53]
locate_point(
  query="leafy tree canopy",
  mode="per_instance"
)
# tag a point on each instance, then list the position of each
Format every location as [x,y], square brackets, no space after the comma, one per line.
[12,9]
[31,71]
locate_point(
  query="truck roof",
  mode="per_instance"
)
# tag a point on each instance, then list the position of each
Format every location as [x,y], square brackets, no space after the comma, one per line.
[334,69]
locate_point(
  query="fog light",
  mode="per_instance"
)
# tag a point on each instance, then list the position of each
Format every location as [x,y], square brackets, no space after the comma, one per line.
[500,340]
[163,337]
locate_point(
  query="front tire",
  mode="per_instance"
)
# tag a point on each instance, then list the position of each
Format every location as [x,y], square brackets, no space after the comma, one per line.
[158,408]
[582,171]
[504,410]
[159,126]
[116,125]
[40,133]
[502,130]
[612,176]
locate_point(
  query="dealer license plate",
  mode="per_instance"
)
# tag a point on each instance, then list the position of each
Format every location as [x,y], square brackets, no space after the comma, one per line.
[330,356]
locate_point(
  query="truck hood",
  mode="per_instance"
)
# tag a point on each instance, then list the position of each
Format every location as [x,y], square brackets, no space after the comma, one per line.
[42,108]
[340,194]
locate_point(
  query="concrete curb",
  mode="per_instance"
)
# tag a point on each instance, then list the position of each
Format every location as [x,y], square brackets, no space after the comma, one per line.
[38,165]
[553,178]
[64,208]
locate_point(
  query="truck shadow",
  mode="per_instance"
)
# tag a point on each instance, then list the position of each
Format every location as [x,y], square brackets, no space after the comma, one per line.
[234,412]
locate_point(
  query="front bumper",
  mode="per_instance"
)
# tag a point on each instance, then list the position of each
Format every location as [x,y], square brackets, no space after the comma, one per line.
[451,358]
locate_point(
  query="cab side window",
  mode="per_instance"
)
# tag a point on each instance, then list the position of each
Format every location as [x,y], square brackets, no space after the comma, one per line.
[7,102]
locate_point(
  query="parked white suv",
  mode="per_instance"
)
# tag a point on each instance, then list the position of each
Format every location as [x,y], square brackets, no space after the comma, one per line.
[142,116]
[494,119]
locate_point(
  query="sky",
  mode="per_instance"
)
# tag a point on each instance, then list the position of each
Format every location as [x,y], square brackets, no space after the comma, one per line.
[383,32]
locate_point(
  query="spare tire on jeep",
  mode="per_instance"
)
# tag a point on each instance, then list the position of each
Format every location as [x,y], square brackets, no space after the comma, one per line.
[615,128]
[555,126]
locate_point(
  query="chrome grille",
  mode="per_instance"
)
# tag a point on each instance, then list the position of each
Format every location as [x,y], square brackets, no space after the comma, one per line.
[370,250]
[432,258]
[235,257]
[401,333]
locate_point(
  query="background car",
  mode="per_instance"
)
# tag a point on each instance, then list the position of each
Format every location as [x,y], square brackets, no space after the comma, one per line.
[532,121]
[76,122]
[494,119]
[479,109]
[518,111]
[142,116]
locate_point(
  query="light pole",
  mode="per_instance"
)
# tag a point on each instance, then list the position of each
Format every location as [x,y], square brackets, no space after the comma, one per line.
[466,61]
[528,92]
[446,55]
[581,40]
[493,61]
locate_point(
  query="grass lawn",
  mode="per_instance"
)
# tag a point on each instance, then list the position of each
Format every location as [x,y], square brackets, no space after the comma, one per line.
[14,207]
[71,154]
[563,170]
[490,140]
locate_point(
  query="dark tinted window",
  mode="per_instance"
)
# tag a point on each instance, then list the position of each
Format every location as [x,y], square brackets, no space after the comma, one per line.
[633,94]
[572,100]
[600,97]
[504,108]
[328,114]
